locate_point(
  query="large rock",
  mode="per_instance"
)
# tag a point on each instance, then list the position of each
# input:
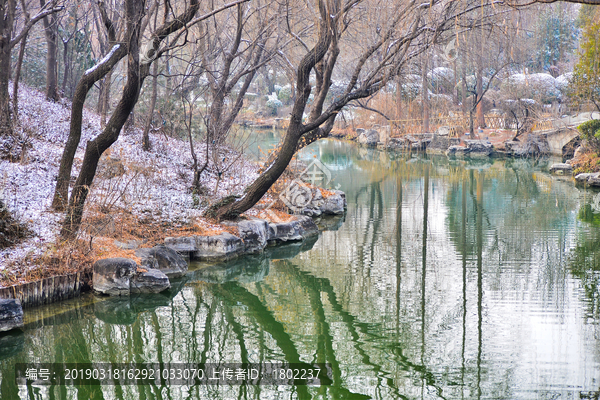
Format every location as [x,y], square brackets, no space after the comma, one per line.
[334,204]
[149,281]
[561,169]
[307,226]
[440,143]
[112,276]
[121,277]
[254,233]
[396,144]
[208,248]
[457,151]
[590,179]
[164,259]
[295,229]
[11,314]
[479,148]
[219,247]
[369,138]
[313,209]
[532,145]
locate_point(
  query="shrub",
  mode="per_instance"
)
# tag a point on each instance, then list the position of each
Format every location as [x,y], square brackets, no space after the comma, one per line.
[590,129]
[273,105]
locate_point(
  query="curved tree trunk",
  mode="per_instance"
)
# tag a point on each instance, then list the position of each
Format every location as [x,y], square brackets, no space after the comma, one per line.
[136,74]
[91,76]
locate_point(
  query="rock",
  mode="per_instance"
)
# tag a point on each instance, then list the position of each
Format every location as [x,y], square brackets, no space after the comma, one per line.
[296,229]
[532,145]
[334,204]
[219,247]
[164,259]
[311,211]
[561,169]
[457,151]
[11,314]
[112,276]
[443,131]
[120,277]
[579,151]
[369,138]
[182,244]
[594,179]
[384,134]
[479,148]
[150,281]
[396,144]
[591,179]
[208,248]
[254,233]
[307,226]
[583,178]
[440,144]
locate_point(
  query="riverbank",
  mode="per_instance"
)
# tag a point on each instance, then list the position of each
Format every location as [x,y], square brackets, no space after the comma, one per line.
[485,143]
[138,199]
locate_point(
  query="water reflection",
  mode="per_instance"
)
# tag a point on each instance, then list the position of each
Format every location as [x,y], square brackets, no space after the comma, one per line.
[446,279]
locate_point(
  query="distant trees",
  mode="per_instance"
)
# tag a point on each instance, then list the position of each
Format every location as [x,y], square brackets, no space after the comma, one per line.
[178,19]
[372,39]
[585,84]
[11,33]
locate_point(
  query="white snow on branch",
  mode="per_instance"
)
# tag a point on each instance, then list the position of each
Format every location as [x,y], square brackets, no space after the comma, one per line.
[104,59]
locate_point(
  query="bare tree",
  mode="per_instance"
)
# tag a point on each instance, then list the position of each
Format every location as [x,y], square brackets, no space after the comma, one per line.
[87,81]
[137,70]
[393,43]
[230,57]
[51,33]
[9,39]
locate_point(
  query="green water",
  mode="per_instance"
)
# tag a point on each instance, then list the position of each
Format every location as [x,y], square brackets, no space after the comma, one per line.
[445,279]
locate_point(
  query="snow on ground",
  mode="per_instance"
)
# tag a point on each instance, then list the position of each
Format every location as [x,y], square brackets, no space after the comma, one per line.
[155,184]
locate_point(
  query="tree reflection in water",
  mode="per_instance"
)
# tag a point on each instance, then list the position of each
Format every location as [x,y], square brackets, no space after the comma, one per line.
[442,282]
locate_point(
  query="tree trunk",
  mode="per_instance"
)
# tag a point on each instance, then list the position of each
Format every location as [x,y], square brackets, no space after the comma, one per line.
[263,183]
[480,116]
[6,28]
[17,77]
[95,148]
[67,66]
[50,28]
[93,75]
[105,100]
[425,90]
[136,74]
[146,137]
[5,111]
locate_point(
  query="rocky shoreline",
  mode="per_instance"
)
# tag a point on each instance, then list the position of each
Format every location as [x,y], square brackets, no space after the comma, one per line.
[160,264]
[442,142]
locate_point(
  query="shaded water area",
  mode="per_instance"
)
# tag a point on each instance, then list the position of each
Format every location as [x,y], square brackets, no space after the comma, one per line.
[445,280]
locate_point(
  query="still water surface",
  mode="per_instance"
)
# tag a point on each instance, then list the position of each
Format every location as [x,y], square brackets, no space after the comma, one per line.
[445,280]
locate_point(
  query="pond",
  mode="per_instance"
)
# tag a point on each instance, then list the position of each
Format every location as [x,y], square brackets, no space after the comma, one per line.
[444,280]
